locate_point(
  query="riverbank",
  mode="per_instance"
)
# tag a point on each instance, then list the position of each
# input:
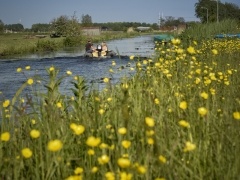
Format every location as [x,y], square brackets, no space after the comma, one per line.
[20,43]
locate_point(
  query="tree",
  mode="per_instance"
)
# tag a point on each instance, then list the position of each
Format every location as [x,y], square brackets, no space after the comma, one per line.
[225,11]
[155,26]
[1,26]
[86,20]
[59,25]
[40,27]
[15,27]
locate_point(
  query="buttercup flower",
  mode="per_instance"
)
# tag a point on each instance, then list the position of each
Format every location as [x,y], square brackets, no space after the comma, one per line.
[236,115]
[6,103]
[54,145]
[106,80]
[78,170]
[183,105]
[189,146]
[19,69]
[214,51]
[26,152]
[51,68]
[126,144]
[183,123]
[94,169]
[125,176]
[27,67]
[101,111]
[202,111]
[131,57]
[69,73]
[110,176]
[59,104]
[122,130]
[30,81]
[141,170]
[204,95]
[5,136]
[103,159]
[162,159]
[34,133]
[191,50]
[123,162]
[78,129]
[92,141]
[149,121]
[91,152]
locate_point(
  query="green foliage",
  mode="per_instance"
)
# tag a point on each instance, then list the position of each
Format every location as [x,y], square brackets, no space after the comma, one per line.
[225,11]
[14,27]
[40,27]
[1,26]
[86,20]
[72,41]
[202,32]
[47,45]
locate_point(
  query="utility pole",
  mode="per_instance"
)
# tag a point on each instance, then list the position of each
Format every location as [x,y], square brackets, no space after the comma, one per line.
[207,12]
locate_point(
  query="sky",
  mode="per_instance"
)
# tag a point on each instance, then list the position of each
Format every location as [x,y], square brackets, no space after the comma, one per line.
[29,12]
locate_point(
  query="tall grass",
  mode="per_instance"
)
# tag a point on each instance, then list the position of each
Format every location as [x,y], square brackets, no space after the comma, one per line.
[176,118]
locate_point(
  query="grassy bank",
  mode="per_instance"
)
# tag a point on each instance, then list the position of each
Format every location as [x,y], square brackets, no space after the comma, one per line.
[21,43]
[176,118]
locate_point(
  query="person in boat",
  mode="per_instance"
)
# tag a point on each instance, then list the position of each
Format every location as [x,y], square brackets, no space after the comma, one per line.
[104,49]
[89,47]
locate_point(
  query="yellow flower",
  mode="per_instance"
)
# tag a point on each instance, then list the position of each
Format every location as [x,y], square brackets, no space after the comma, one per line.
[91,152]
[27,67]
[34,133]
[59,104]
[149,121]
[111,70]
[131,57]
[106,80]
[30,81]
[150,141]
[78,129]
[33,121]
[74,177]
[123,162]
[92,141]
[69,73]
[113,63]
[110,176]
[5,136]
[150,133]
[141,170]
[109,99]
[214,51]
[101,111]
[122,130]
[19,69]
[51,68]
[126,144]
[191,50]
[54,145]
[78,170]
[103,146]
[156,100]
[189,146]
[26,152]
[183,123]
[204,95]
[94,169]
[162,159]
[103,159]
[160,179]
[6,103]
[183,105]
[202,111]
[125,176]
[236,115]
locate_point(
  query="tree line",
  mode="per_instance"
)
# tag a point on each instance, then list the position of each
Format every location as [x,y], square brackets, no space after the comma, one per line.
[70,26]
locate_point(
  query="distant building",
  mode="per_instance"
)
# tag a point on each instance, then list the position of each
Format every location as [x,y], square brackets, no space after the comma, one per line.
[91,31]
[143,28]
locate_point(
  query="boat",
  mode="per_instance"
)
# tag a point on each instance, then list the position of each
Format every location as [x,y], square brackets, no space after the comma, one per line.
[163,38]
[103,54]
[220,36]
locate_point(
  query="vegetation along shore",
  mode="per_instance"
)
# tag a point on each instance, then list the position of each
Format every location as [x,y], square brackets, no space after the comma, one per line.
[178,117]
